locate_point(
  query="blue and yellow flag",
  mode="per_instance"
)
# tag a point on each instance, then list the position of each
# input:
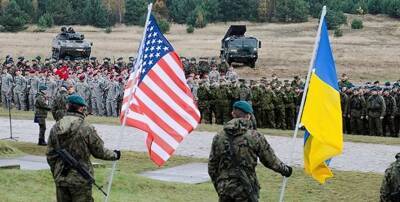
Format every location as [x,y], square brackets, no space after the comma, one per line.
[322,114]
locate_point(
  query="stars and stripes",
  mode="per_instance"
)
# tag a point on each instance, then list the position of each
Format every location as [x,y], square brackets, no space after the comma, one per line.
[157,99]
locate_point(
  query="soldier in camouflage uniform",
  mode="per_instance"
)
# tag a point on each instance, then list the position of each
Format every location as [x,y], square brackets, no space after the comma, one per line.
[20,91]
[214,75]
[344,103]
[33,86]
[234,155]
[390,188]
[256,93]
[74,134]
[213,101]
[290,107]
[222,103]
[98,85]
[6,88]
[280,121]
[388,119]
[357,112]
[41,109]
[113,92]
[396,93]
[83,89]
[267,108]
[59,105]
[231,75]
[245,91]
[203,94]
[376,112]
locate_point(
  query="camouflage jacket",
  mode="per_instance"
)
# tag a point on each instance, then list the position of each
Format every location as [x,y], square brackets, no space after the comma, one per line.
[59,106]
[249,145]
[81,140]
[41,105]
[357,106]
[376,106]
[391,182]
[391,106]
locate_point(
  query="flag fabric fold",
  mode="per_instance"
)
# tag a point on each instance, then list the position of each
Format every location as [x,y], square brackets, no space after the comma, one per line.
[322,116]
[157,96]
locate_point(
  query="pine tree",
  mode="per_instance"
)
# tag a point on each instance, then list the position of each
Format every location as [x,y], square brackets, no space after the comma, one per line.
[135,11]
[13,18]
[27,7]
[61,10]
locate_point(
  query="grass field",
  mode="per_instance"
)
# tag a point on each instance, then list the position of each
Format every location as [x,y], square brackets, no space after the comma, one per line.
[367,54]
[214,128]
[37,186]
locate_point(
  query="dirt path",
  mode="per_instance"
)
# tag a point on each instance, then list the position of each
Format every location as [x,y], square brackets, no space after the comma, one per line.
[356,156]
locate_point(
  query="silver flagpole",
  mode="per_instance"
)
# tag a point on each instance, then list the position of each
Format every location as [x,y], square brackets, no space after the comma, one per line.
[296,130]
[137,69]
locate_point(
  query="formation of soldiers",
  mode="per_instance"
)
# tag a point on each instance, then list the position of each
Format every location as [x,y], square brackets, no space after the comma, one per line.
[100,84]
[368,109]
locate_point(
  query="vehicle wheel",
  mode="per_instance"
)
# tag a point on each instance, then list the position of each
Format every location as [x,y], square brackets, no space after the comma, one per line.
[252,63]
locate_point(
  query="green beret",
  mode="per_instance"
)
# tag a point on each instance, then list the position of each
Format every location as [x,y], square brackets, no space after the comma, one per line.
[42,87]
[76,99]
[244,106]
[397,156]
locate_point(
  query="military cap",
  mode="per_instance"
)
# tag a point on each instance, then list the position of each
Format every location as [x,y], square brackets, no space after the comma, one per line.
[243,106]
[241,80]
[47,59]
[387,83]
[38,58]
[397,156]
[42,87]
[76,99]
[32,71]
[21,58]
[82,77]
[93,58]
[131,58]
[120,58]
[376,82]
[34,60]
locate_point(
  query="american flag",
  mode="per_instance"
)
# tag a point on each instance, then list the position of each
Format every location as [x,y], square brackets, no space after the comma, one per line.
[157,96]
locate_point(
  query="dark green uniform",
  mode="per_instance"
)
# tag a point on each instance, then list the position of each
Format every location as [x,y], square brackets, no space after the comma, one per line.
[376,111]
[344,102]
[388,120]
[390,188]
[81,140]
[357,110]
[280,121]
[222,104]
[397,115]
[41,109]
[268,109]
[248,145]
[203,94]
[256,95]
[289,100]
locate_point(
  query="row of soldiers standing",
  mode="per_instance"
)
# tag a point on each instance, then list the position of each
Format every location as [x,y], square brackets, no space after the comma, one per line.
[101,88]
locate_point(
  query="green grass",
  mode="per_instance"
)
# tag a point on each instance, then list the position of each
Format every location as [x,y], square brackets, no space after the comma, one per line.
[214,128]
[16,185]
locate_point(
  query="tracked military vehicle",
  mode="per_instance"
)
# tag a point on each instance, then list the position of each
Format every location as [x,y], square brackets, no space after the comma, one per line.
[70,45]
[236,47]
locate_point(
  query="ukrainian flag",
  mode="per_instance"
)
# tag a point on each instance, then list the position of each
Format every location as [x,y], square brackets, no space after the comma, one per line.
[322,114]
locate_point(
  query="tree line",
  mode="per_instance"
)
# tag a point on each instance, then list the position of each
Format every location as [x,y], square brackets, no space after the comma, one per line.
[15,15]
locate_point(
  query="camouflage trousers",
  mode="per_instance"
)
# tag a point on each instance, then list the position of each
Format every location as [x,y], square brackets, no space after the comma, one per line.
[31,100]
[375,126]
[19,100]
[6,99]
[356,125]
[267,118]
[397,125]
[222,113]
[388,126]
[233,191]
[74,194]
[280,119]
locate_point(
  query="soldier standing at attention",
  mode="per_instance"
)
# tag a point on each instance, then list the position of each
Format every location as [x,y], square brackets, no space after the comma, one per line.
[376,111]
[41,109]
[234,154]
[388,119]
[357,110]
[6,88]
[20,91]
[81,140]
[59,105]
[390,188]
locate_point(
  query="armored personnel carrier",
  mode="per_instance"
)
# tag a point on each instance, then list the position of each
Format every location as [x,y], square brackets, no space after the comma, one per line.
[70,45]
[236,47]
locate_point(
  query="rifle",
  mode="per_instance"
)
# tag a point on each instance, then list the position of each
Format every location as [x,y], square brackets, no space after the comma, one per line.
[244,179]
[70,162]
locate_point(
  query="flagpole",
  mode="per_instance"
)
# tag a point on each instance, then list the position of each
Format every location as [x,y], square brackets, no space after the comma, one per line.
[138,59]
[296,130]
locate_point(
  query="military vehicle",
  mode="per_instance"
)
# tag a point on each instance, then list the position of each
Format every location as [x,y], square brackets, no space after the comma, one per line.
[235,47]
[70,45]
